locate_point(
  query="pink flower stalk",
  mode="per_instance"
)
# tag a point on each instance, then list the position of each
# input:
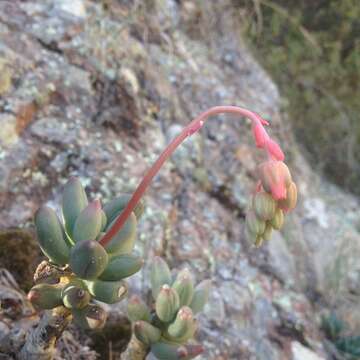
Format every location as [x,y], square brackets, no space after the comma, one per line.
[262,140]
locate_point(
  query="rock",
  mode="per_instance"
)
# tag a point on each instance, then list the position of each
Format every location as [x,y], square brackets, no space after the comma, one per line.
[5,77]
[316,210]
[281,260]
[300,352]
[8,131]
[53,130]
[128,76]
[74,8]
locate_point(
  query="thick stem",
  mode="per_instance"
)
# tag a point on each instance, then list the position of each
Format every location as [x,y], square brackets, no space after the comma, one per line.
[136,350]
[190,129]
[40,343]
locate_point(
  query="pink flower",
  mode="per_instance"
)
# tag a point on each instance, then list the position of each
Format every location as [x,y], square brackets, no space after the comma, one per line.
[260,135]
[275,177]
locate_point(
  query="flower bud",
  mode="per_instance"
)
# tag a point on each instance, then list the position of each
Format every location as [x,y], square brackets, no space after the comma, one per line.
[88,224]
[122,266]
[184,326]
[46,296]
[264,206]
[258,241]
[290,201]
[51,236]
[108,292]
[90,317]
[268,232]
[274,150]
[277,221]
[146,333]
[159,275]
[167,303]
[201,296]
[74,200]
[260,135]
[254,225]
[184,286]
[137,309]
[275,177]
[124,240]
[88,259]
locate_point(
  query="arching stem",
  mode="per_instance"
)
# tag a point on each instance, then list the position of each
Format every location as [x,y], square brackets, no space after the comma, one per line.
[190,129]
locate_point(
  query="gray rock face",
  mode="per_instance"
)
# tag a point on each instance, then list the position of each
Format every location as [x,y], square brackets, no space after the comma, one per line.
[300,352]
[97,88]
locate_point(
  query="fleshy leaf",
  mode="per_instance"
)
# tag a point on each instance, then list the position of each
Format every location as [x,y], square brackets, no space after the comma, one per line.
[88,259]
[184,286]
[108,292]
[201,296]
[88,224]
[122,266]
[159,275]
[167,303]
[51,236]
[123,242]
[74,200]
[90,317]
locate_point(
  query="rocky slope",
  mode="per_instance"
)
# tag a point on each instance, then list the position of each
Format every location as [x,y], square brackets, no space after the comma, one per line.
[97,89]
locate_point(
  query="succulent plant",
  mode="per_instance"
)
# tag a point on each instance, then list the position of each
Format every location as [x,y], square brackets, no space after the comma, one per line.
[91,251]
[168,326]
[86,270]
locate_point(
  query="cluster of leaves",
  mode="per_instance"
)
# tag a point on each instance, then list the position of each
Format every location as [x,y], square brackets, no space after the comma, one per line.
[170,324]
[80,270]
[334,328]
[312,49]
[84,269]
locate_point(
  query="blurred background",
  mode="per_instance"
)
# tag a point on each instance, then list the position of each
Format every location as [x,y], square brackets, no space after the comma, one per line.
[96,89]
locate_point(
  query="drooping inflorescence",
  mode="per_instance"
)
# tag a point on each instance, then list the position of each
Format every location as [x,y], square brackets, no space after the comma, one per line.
[168,327]
[80,269]
[275,178]
[275,194]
